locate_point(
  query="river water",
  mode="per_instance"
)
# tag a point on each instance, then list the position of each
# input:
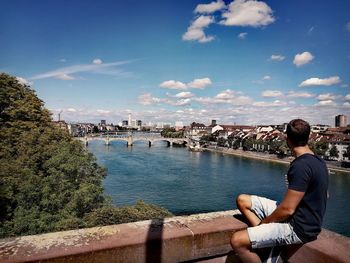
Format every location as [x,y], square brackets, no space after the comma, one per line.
[187,182]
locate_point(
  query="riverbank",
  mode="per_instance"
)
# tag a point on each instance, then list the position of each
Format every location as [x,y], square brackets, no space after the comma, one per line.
[268,157]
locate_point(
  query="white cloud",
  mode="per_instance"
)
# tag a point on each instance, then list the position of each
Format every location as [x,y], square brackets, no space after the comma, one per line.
[71,110]
[242,35]
[65,73]
[303,58]
[103,111]
[348,26]
[327,96]
[248,13]
[195,32]
[194,84]
[199,83]
[326,103]
[344,85]
[181,102]
[22,81]
[347,97]
[276,103]
[210,8]
[310,30]
[271,94]
[172,84]
[62,60]
[293,94]
[147,99]
[226,95]
[97,61]
[64,77]
[266,78]
[277,57]
[320,82]
[184,95]
[346,104]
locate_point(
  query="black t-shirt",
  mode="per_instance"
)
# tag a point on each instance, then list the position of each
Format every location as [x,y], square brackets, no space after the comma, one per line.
[308,173]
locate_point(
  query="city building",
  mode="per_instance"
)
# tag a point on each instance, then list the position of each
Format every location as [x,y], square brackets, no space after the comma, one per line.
[319,128]
[179,125]
[197,129]
[341,121]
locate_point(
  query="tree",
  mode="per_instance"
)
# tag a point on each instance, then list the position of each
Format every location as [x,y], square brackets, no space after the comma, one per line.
[333,152]
[319,148]
[247,144]
[48,181]
[221,141]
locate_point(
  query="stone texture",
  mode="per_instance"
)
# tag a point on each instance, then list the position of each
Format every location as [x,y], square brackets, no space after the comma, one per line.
[195,238]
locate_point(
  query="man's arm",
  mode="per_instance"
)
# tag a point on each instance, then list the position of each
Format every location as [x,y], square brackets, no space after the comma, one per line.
[287,208]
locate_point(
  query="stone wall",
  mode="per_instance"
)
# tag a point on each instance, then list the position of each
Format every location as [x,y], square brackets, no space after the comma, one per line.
[196,238]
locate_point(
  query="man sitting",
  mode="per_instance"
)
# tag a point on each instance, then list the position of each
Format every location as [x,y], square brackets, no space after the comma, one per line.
[298,218]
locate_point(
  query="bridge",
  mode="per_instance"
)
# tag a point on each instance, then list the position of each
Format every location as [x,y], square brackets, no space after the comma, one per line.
[131,138]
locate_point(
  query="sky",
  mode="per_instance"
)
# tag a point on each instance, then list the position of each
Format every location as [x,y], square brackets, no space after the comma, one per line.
[238,62]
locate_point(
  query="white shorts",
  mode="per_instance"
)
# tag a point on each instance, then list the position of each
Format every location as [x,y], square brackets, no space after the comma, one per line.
[272,234]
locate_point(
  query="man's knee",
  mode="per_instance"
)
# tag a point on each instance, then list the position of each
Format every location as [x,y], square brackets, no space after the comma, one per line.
[240,240]
[243,201]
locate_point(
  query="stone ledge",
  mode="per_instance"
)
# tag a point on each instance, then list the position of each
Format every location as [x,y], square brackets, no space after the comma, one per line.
[170,240]
[195,238]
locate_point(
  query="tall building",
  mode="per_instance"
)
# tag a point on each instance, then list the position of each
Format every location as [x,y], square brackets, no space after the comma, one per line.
[125,123]
[341,121]
[103,122]
[129,119]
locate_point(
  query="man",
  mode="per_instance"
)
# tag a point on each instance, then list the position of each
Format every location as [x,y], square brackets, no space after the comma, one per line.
[298,218]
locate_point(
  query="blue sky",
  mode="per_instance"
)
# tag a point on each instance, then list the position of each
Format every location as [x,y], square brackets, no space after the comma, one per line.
[241,61]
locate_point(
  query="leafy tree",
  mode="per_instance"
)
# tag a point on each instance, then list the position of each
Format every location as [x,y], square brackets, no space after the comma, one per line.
[347,153]
[319,148]
[221,141]
[95,129]
[247,144]
[333,152]
[48,181]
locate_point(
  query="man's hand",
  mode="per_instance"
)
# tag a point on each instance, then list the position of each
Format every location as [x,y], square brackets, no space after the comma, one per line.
[286,209]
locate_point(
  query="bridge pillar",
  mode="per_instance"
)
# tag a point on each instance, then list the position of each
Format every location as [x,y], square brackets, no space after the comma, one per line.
[86,141]
[130,141]
[170,143]
[149,143]
[107,141]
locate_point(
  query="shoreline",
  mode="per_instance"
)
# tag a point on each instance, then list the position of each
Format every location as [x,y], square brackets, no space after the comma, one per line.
[267,157]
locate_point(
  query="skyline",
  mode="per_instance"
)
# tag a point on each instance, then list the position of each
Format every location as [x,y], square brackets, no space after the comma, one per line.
[244,62]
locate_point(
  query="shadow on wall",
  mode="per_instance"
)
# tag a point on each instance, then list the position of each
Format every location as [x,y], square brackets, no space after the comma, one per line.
[154,241]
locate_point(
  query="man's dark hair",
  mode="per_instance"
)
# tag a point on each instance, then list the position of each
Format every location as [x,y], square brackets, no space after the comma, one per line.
[298,132]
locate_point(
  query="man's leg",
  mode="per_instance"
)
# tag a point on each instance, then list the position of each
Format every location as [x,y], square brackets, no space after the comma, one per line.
[244,205]
[241,245]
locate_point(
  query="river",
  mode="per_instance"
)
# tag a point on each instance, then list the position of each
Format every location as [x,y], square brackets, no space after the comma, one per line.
[187,182]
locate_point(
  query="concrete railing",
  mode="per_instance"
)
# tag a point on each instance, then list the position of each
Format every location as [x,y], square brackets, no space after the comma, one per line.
[195,238]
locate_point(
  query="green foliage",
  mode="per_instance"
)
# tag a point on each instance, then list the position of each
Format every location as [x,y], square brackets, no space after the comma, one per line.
[48,181]
[171,133]
[333,152]
[247,144]
[109,215]
[222,142]
[319,148]
[207,138]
